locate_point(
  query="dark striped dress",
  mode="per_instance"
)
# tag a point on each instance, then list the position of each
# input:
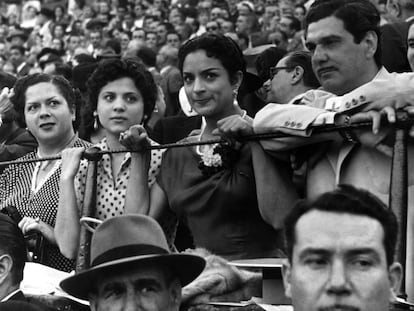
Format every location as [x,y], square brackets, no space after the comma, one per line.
[16,189]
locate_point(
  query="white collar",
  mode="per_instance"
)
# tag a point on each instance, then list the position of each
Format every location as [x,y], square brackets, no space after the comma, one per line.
[11,294]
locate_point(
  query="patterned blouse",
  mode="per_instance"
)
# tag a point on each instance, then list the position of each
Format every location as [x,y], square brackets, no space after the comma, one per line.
[18,188]
[111,190]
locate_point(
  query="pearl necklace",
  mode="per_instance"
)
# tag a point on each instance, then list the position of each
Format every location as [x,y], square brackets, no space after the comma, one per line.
[209,147]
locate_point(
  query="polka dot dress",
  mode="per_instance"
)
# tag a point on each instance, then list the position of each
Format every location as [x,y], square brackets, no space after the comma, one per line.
[16,190]
[111,190]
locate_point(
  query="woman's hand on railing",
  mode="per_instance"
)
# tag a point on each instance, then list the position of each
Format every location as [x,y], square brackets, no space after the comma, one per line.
[234,126]
[135,138]
[70,162]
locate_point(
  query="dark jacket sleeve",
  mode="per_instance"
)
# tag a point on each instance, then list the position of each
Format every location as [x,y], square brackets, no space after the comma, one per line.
[17,145]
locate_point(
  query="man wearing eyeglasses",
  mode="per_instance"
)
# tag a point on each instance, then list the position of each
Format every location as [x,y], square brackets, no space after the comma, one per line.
[291,78]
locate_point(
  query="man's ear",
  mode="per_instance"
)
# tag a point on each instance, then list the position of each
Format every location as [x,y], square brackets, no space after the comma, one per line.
[371,42]
[93,302]
[298,73]
[395,272]
[287,276]
[6,265]
[175,294]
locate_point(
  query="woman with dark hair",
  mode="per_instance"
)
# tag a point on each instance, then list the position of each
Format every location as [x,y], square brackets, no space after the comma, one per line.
[122,95]
[60,16]
[44,104]
[214,187]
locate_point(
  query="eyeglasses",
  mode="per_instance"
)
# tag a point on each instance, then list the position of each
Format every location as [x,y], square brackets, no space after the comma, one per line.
[275,70]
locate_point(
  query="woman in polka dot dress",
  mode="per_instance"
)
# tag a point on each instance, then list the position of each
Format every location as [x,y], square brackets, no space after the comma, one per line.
[122,94]
[46,106]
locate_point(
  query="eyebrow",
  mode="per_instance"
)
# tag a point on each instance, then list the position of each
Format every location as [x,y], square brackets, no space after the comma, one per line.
[348,253]
[112,285]
[47,99]
[323,39]
[205,70]
[314,251]
[147,282]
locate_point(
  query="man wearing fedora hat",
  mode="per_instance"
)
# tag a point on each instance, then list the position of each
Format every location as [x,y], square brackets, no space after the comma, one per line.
[17,37]
[132,268]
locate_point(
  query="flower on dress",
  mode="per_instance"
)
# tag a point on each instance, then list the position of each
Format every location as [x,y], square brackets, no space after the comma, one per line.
[217,157]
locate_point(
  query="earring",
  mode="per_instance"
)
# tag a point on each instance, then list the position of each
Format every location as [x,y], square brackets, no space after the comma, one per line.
[144,119]
[235,92]
[95,121]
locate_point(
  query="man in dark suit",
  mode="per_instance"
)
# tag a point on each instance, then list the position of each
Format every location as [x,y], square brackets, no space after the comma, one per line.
[18,59]
[15,141]
[167,60]
[394,36]
[13,254]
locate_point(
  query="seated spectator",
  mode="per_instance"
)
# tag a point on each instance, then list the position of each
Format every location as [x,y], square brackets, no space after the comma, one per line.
[144,276]
[46,105]
[122,95]
[171,82]
[264,61]
[13,255]
[18,59]
[341,253]
[16,140]
[225,213]
[291,78]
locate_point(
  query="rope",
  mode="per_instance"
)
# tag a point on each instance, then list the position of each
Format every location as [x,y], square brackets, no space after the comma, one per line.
[405,121]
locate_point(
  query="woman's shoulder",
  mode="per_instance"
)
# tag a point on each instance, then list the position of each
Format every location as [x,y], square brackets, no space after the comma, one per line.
[21,168]
[81,143]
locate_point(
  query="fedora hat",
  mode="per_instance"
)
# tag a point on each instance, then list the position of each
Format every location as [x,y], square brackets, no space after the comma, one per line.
[128,241]
[17,33]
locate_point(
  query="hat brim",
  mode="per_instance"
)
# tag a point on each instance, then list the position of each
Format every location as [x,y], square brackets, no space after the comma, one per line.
[23,36]
[185,266]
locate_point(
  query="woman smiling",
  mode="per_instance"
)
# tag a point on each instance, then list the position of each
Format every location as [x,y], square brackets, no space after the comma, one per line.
[212,186]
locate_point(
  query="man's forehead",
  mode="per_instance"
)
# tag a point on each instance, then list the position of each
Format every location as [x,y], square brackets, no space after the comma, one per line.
[325,229]
[326,27]
[145,272]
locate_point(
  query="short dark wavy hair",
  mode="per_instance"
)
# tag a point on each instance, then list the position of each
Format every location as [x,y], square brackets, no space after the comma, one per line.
[220,47]
[12,242]
[19,97]
[113,69]
[304,60]
[349,200]
[358,16]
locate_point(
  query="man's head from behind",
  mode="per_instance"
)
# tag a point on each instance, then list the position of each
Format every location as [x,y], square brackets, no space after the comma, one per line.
[291,76]
[341,248]
[135,271]
[13,255]
[344,37]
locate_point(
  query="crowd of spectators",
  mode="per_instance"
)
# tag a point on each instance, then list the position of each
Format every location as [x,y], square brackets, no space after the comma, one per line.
[111,72]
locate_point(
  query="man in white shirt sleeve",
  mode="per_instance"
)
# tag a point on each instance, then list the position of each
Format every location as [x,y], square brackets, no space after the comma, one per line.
[344,39]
